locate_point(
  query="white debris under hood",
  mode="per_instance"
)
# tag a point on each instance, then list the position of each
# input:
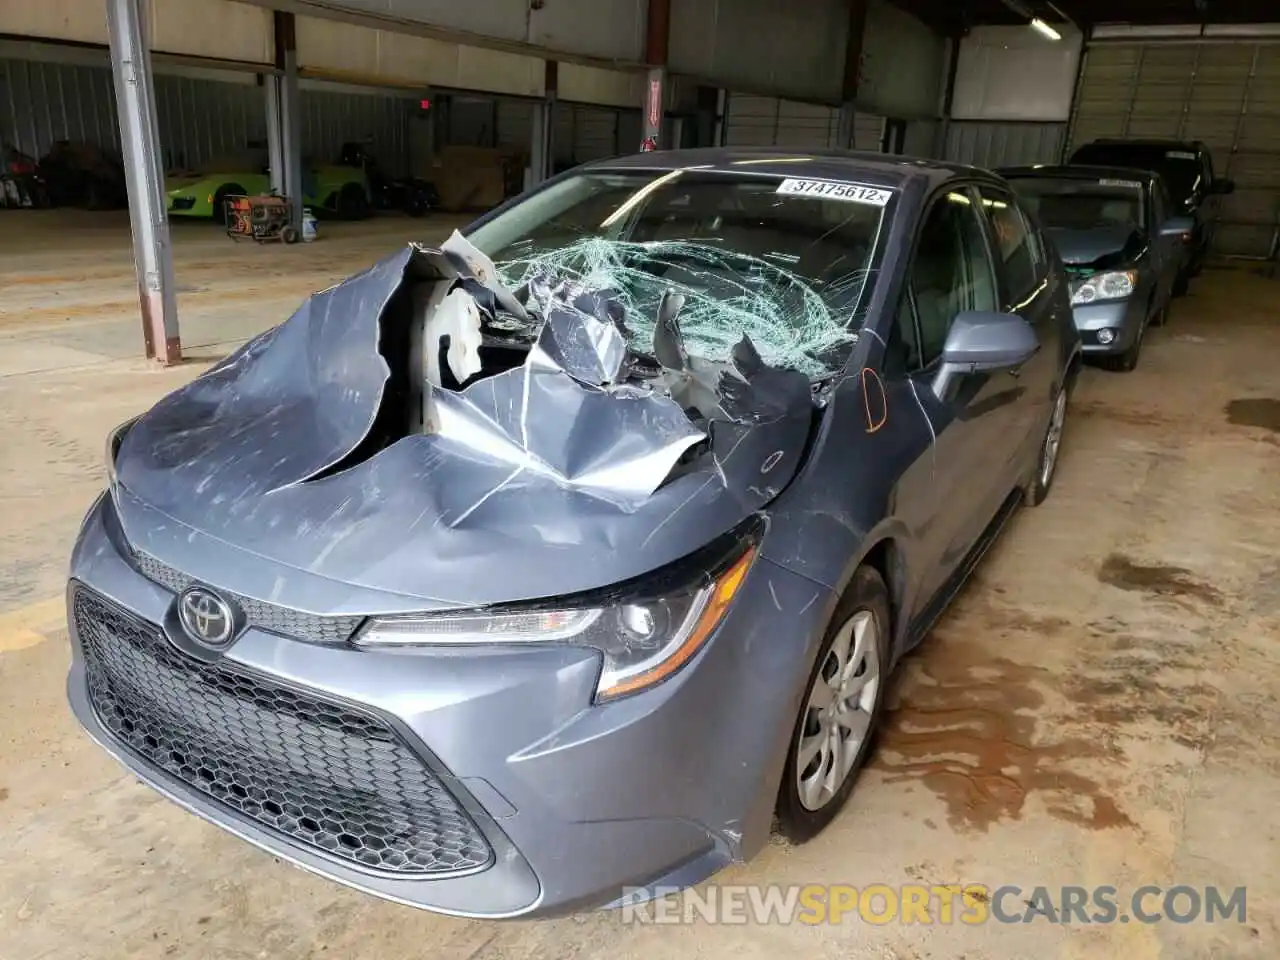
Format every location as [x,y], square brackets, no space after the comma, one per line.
[585,408]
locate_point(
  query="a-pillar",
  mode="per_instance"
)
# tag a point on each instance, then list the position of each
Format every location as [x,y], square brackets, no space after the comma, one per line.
[144,178]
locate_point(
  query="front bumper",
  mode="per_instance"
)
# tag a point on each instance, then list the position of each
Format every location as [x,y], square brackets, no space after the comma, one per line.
[577,804]
[182,207]
[1125,317]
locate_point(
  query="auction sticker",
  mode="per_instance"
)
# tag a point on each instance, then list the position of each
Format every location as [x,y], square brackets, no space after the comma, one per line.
[835,190]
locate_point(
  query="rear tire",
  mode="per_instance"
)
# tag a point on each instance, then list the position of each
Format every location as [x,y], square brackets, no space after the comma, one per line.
[1181,284]
[352,202]
[840,710]
[220,201]
[1162,318]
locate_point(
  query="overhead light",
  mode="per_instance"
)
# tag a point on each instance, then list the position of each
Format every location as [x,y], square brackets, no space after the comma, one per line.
[1044,29]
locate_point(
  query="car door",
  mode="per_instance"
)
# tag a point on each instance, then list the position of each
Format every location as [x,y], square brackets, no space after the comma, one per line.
[948,492]
[1026,289]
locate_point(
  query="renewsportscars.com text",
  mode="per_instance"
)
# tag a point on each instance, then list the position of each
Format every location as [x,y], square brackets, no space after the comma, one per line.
[928,904]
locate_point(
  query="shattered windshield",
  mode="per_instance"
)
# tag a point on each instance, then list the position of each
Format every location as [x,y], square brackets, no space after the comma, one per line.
[1076,204]
[786,262]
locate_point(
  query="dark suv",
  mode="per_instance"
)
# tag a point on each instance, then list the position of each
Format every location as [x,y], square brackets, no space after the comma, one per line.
[1187,169]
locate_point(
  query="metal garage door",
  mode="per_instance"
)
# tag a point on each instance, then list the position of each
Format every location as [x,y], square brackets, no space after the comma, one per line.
[595,133]
[868,133]
[582,133]
[515,124]
[1226,94]
[770,122]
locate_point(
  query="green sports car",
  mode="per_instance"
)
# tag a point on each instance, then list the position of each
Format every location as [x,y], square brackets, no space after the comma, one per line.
[343,191]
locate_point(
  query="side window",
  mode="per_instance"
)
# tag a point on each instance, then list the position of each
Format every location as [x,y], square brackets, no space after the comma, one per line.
[950,273]
[1159,204]
[1017,252]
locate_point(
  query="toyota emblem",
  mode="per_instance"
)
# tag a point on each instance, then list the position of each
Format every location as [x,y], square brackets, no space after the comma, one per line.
[205,616]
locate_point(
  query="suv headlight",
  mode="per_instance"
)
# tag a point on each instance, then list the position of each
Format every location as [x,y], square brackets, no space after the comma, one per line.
[1112,285]
[644,638]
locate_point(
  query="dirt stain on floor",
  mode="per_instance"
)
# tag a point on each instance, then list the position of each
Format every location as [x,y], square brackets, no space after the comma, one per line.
[965,726]
[1262,412]
[1160,580]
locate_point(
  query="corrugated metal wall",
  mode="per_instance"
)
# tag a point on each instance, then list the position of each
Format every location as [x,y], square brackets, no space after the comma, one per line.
[770,122]
[993,144]
[199,118]
[795,49]
[1226,94]
[44,102]
[903,64]
[581,132]
[515,124]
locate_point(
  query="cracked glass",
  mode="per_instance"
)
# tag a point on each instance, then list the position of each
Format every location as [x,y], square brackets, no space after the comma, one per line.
[793,273]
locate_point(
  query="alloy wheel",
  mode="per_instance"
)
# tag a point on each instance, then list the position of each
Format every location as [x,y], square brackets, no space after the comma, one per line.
[838,713]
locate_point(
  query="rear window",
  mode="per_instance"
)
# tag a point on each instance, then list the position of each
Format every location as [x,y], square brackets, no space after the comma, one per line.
[1181,168]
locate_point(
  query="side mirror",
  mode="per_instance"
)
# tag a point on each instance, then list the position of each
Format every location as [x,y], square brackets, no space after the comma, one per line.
[981,341]
[1222,186]
[1177,227]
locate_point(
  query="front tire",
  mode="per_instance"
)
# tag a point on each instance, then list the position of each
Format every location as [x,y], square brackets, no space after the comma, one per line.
[1127,361]
[840,711]
[1047,464]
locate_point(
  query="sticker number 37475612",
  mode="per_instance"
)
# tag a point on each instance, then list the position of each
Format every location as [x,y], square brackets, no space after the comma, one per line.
[834,190]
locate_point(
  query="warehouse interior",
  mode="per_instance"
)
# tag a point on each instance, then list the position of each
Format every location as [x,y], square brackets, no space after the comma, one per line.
[1101,706]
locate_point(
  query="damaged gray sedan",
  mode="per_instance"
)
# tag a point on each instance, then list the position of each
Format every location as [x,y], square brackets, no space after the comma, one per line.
[513,576]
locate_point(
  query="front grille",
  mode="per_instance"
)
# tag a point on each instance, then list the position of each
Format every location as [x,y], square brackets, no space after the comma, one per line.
[317,772]
[182,203]
[272,617]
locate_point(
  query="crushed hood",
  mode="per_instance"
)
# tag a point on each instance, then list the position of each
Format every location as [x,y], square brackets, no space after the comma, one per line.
[1100,247]
[372,439]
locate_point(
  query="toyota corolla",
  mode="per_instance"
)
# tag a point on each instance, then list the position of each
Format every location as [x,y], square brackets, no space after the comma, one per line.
[564,557]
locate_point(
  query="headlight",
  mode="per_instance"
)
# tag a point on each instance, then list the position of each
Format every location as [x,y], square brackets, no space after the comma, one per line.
[114,439]
[1113,285]
[644,638]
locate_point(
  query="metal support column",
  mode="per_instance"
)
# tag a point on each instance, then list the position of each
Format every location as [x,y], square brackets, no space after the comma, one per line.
[275,136]
[654,109]
[290,112]
[540,150]
[657,38]
[144,177]
[855,35]
[845,125]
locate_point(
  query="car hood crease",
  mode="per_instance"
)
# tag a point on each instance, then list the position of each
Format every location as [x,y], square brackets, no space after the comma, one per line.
[260,458]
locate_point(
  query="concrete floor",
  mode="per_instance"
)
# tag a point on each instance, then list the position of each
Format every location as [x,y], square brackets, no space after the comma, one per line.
[1100,707]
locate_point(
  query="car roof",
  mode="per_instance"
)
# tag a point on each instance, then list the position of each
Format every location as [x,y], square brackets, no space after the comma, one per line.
[1143,142]
[1081,171]
[878,168]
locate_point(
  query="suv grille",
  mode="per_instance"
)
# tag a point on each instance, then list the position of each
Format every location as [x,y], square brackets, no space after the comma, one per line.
[272,617]
[317,772]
